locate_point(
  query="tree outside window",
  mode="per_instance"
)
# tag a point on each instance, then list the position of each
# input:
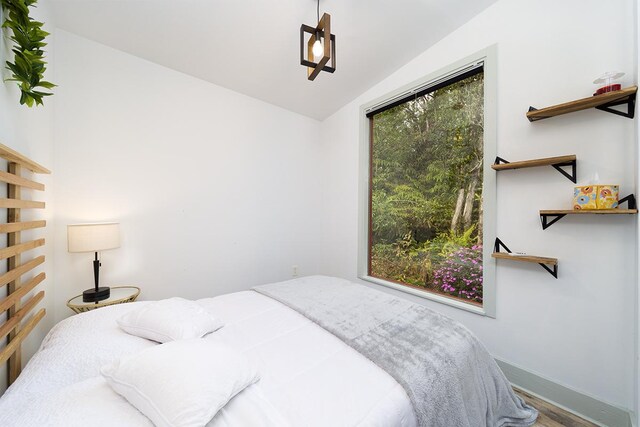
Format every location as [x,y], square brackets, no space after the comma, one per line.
[426,182]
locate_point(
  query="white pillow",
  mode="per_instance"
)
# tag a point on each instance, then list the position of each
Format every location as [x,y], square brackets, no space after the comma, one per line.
[169,320]
[181,383]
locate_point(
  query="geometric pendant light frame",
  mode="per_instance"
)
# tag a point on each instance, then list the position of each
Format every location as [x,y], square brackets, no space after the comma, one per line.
[321,32]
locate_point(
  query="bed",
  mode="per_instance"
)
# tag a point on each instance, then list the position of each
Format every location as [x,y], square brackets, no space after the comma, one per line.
[309,376]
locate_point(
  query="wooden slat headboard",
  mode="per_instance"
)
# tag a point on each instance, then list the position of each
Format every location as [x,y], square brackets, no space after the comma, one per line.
[13,328]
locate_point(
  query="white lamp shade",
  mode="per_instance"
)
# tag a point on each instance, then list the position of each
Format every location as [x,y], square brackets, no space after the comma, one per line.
[93,237]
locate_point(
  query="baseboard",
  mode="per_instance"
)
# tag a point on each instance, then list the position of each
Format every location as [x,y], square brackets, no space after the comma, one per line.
[580,404]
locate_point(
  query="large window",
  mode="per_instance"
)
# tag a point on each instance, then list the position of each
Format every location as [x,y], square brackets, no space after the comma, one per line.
[425,216]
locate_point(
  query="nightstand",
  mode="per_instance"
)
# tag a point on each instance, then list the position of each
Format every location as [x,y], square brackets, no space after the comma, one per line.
[119,295]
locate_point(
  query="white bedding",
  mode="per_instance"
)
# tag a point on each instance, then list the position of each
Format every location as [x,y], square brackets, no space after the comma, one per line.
[308,376]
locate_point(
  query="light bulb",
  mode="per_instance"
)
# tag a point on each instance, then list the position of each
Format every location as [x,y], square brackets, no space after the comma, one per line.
[318,50]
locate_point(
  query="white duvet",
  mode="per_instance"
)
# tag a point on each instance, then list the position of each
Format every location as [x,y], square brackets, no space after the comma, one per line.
[308,376]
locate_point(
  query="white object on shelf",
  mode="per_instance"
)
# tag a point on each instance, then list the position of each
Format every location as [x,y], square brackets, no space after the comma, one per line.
[608,77]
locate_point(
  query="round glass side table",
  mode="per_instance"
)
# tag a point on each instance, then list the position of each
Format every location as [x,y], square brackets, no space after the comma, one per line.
[119,295]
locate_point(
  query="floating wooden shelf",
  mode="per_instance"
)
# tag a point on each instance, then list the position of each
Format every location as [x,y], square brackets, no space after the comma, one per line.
[525,258]
[545,262]
[589,211]
[549,217]
[557,163]
[602,102]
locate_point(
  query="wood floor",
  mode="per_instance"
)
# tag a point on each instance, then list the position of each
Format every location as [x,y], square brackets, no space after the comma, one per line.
[552,416]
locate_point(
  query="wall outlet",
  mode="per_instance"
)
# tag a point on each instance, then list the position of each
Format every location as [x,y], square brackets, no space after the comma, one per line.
[294,271]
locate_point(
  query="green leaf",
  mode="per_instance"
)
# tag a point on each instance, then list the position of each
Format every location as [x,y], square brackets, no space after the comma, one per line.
[47,85]
[26,99]
[28,37]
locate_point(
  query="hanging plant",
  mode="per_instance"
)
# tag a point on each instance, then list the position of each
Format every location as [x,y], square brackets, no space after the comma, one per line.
[28,66]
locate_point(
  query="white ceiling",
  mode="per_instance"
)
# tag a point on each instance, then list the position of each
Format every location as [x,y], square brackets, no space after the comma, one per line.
[252,46]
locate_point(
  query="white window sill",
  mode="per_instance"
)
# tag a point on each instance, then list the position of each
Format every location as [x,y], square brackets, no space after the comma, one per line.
[428,295]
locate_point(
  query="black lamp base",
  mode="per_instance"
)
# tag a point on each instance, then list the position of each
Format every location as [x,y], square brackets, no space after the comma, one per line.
[93,295]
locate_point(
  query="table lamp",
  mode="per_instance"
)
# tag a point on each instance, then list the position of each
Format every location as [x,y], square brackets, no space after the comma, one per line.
[94,237]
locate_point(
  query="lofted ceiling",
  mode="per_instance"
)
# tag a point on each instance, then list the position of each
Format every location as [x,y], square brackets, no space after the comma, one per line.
[252,46]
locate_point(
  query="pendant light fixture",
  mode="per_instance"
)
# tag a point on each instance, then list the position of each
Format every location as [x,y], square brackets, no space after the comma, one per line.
[316,52]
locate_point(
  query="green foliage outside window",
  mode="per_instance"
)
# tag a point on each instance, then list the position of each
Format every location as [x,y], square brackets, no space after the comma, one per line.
[28,66]
[426,210]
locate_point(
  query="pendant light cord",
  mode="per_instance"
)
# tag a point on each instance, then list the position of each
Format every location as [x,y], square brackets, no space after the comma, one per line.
[318,10]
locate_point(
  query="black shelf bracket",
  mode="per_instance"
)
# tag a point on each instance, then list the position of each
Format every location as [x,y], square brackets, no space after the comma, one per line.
[573,176]
[630,200]
[629,101]
[499,243]
[549,219]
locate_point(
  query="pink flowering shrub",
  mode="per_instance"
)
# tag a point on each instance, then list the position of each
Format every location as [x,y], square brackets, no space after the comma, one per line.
[460,274]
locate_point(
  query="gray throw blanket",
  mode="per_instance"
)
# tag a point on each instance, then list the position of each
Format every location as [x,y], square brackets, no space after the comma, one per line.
[450,377]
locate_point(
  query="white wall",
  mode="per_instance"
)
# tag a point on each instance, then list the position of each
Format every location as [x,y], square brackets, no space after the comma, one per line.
[215,191]
[577,330]
[30,132]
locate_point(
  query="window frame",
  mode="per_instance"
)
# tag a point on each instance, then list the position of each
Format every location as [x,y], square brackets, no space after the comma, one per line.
[488,58]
